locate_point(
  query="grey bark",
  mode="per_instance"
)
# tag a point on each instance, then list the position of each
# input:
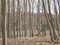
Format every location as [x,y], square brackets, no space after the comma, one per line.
[55,9]
[13,17]
[18,20]
[30,23]
[8,17]
[49,25]
[51,21]
[3,24]
[38,17]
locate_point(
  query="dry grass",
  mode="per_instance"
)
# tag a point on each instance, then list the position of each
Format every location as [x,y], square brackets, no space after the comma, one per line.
[30,41]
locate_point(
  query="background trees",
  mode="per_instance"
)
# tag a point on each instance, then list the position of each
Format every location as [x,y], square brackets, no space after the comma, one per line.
[30,18]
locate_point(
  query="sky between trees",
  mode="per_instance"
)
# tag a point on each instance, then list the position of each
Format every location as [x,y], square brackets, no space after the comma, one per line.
[35,5]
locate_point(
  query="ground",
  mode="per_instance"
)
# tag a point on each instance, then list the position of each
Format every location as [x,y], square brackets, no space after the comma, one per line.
[30,41]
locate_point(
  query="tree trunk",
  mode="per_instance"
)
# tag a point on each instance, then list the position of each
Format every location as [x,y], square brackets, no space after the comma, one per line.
[55,9]
[30,22]
[25,18]
[51,21]
[59,17]
[8,18]
[32,17]
[13,18]
[3,24]
[49,25]
[18,20]
[38,18]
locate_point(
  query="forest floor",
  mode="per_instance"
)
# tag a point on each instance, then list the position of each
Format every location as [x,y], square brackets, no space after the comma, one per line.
[30,41]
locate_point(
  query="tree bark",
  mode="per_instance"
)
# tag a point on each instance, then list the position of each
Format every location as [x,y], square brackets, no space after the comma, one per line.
[59,17]
[55,9]
[30,22]
[13,17]
[51,21]
[49,25]
[3,24]
[18,20]
[8,18]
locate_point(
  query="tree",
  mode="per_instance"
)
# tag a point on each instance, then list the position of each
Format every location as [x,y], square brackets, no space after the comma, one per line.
[25,10]
[55,9]
[59,5]
[18,19]
[13,17]
[32,17]
[3,24]
[51,21]
[48,22]
[59,17]
[38,17]
[30,22]
[8,17]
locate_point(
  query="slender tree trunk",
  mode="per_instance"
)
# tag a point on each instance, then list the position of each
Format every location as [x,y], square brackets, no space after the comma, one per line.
[3,24]
[30,23]
[18,20]
[13,19]
[38,18]
[49,25]
[8,18]
[44,28]
[32,18]
[59,17]
[55,9]
[17,23]
[24,18]
[51,21]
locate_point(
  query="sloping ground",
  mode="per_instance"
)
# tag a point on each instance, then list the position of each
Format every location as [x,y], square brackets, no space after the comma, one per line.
[31,41]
